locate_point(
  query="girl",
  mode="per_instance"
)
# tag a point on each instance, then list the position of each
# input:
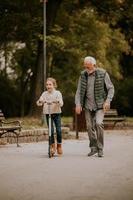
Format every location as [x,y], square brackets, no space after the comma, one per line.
[54,97]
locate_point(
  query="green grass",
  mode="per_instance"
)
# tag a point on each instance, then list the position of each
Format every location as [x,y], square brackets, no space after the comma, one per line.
[32,122]
[67,120]
[29,122]
[129,119]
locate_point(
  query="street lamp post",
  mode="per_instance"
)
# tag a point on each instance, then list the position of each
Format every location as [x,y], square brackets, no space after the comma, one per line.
[44,67]
[44,42]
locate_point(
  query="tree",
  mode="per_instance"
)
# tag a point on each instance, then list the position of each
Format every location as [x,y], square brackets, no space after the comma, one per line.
[21,21]
[74,29]
[79,34]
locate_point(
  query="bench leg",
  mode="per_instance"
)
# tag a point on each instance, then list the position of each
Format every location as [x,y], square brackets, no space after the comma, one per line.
[17,136]
[76,126]
[114,124]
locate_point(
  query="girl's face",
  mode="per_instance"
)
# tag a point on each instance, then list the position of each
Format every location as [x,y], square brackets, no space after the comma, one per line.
[49,86]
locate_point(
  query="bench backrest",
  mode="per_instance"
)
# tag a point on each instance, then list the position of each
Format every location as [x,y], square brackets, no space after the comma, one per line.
[111,113]
[1,116]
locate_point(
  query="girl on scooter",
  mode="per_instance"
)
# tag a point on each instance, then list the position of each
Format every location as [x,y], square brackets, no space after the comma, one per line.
[53,97]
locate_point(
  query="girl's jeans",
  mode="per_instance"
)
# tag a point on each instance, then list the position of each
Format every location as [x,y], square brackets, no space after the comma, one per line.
[55,119]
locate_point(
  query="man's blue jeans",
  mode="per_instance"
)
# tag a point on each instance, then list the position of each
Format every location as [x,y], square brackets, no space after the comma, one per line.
[55,120]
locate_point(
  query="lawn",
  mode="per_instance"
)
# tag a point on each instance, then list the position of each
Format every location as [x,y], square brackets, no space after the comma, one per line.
[34,122]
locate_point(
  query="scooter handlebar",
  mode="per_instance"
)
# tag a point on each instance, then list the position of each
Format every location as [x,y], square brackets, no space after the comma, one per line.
[51,102]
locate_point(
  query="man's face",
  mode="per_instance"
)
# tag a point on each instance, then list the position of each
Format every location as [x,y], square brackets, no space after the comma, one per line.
[88,65]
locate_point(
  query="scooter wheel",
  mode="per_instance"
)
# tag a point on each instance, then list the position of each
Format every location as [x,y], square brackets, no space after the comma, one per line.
[50,153]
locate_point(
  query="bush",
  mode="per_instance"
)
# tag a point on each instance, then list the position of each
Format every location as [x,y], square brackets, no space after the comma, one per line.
[124,97]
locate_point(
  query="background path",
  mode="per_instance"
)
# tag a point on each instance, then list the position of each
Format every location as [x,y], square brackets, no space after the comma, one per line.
[27,173]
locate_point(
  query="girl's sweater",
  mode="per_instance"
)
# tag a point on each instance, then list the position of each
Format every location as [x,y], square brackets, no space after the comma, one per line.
[55,98]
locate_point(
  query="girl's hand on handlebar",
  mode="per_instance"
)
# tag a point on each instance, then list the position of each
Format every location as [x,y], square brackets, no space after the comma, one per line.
[51,102]
[39,103]
[55,101]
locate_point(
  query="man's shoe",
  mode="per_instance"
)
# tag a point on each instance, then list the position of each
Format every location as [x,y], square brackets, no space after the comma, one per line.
[100,153]
[93,152]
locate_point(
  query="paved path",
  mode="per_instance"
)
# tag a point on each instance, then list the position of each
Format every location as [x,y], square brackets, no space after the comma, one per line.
[27,173]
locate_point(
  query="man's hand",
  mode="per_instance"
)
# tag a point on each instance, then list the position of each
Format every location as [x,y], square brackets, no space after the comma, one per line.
[78,109]
[106,106]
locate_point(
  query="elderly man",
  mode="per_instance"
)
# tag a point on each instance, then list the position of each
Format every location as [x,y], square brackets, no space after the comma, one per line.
[94,93]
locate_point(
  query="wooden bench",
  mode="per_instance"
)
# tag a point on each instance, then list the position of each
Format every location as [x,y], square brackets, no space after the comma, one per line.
[111,118]
[9,127]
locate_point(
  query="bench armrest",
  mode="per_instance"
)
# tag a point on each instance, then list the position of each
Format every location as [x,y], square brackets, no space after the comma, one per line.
[16,122]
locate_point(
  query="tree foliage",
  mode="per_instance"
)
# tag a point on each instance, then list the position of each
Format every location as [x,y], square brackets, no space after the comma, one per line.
[75,29]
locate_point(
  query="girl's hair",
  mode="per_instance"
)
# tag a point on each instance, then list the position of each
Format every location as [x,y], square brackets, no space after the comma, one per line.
[53,81]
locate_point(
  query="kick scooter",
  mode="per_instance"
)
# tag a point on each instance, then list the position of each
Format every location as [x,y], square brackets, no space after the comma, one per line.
[50,154]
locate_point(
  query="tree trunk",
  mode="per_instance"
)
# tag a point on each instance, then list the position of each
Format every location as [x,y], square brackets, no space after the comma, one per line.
[37,82]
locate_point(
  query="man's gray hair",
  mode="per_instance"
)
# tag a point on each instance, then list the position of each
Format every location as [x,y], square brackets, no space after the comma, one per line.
[90,59]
